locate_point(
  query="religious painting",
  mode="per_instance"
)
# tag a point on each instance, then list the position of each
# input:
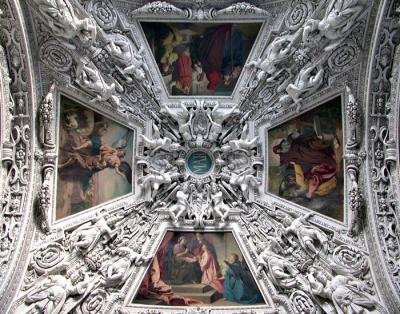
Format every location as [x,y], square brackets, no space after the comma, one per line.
[305,163]
[94,159]
[198,269]
[200,58]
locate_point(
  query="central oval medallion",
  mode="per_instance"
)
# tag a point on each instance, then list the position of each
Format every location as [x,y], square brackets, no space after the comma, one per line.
[199,163]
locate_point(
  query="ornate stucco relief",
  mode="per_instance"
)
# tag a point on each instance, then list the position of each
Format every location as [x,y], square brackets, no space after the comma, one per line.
[199,161]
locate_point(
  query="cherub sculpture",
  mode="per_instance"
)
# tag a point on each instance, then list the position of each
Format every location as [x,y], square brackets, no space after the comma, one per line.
[218,206]
[64,23]
[158,143]
[181,207]
[280,270]
[243,144]
[311,239]
[183,118]
[308,81]
[51,295]
[348,294]
[86,236]
[122,50]
[217,118]
[244,180]
[339,20]
[91,80]
[117,270]
[153,181]
[277,51]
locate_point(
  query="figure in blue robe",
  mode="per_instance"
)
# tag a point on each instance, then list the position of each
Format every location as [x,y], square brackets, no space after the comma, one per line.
[239,285]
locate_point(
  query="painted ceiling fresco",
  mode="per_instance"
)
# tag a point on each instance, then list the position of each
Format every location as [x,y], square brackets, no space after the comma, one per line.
[199,157]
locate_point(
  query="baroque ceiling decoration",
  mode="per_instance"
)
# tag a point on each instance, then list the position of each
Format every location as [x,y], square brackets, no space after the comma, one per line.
[104,172]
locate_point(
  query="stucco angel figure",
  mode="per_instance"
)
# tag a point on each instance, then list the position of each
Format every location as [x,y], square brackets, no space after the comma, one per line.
[339,20]
[117,270]
[311,239]
[157,142]
[183,118]
[86,236]
[91,80]
[308,81]
[121,48]
[217,118]
[218,206]
[60,16]
[348,294]
[245,179]
[244,144]
[280,49]
[280,271]
[181,207]
[153,181]
[51,295]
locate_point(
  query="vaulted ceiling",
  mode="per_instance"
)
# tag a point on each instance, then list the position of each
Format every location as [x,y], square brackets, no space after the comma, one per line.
[261,135]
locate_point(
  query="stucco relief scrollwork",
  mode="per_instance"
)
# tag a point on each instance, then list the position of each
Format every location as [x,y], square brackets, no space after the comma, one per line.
[298,61]
[302,261]
[17,136]
[381,176]
[198,166]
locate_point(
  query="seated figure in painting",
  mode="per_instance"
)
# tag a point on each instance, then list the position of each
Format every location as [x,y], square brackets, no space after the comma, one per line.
[307,149]
[185,264]
[239,285]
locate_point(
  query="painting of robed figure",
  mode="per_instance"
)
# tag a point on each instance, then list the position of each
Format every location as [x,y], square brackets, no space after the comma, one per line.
[305,160]
[198,269]
[94,159]
[200,58]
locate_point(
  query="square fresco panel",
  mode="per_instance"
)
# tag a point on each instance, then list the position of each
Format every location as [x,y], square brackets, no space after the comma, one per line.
[198,269]
[200,58]
[94,159]
[305,163]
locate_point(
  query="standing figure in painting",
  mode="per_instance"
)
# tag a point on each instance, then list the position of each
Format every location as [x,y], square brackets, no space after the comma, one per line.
[221,55]
[184,69]
[239,286]
[185,264]
[211,273]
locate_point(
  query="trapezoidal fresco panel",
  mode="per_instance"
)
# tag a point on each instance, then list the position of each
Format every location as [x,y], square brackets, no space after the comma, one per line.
[200,59]
[198,269]
[91,149]
[305,160]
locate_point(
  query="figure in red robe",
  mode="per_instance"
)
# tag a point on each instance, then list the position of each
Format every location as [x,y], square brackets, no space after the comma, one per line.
[184,69]
[300,149]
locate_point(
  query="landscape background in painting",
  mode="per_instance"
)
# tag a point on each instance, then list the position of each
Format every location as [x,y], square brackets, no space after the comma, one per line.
[311,143]
[200,58]
[94,159]
[189,270]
